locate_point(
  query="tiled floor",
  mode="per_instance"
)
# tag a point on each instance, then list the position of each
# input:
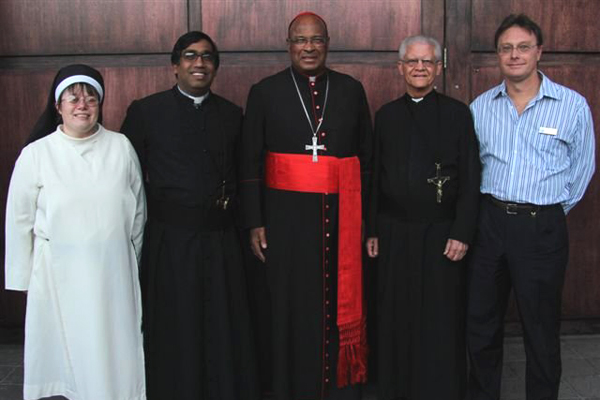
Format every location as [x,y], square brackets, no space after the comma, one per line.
[580,354]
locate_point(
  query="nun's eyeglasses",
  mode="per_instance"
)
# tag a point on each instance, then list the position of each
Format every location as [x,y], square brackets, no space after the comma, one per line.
[90,101]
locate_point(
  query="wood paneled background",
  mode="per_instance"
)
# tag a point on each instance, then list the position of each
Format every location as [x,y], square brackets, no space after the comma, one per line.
[129,41]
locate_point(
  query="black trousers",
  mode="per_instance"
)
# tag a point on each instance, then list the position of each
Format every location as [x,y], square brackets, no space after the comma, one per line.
[528,253]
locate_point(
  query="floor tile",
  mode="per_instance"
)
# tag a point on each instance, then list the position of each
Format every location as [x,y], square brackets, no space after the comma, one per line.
[11,354]
[512,389]
[5,371]
[585,386]
[577,367]
[11,392]
[586,346]
[595,361]
[15,377]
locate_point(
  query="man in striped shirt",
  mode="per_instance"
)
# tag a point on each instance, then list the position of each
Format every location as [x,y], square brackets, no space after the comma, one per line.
[536,141]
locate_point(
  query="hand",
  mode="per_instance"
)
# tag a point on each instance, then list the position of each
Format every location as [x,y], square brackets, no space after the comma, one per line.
[372,247]
[258,242]
[455,250]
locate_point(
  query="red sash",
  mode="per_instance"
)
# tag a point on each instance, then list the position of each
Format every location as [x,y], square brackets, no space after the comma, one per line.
[298,173]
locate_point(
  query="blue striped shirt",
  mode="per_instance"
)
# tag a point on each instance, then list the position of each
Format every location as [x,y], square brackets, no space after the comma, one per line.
[543,156]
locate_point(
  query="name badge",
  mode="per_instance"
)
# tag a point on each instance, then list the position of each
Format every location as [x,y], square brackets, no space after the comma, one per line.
[548,131]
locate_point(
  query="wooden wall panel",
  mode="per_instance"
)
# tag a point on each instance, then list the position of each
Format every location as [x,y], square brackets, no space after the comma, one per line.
[90,26]
[123,85]
[567,25]
[580,297]
[353,24]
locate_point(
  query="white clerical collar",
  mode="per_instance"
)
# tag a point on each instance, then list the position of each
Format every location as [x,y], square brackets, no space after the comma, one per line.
[416,100]
[197,100]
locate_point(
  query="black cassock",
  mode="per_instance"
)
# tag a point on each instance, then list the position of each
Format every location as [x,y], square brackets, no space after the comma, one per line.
[301,228]
[197,337]
[420,293]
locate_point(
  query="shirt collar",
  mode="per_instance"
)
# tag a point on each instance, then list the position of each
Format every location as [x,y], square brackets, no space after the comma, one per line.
[197,100]
[547,89]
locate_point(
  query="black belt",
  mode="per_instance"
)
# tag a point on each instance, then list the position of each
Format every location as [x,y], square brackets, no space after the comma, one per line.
[513,208]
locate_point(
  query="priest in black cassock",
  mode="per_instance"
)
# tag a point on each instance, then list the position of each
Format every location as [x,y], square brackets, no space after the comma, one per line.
[306,149]
[198,343]
[422,217]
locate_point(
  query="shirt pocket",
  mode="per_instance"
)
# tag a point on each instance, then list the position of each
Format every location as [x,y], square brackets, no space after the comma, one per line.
[551,151]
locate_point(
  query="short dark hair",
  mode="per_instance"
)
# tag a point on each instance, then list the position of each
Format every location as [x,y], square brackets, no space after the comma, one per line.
[188,39]
[522,21]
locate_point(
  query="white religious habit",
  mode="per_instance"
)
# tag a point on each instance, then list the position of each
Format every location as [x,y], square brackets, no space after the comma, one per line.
[74,225]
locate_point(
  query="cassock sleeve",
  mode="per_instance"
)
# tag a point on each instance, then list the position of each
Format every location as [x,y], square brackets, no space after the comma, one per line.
[137,188]
[373,200]
[21,209]
[365,152]
[251,168]
[469,169]
[133,128]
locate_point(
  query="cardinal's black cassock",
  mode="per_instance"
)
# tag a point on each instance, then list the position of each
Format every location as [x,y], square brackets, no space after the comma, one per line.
[306,148]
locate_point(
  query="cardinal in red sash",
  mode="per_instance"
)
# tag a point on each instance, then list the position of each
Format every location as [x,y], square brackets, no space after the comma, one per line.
[306,159]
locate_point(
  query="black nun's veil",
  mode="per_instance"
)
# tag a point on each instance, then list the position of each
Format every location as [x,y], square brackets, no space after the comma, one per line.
[49,119]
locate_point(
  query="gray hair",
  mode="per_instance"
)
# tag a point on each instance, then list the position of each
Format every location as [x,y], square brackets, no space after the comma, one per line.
[437,49]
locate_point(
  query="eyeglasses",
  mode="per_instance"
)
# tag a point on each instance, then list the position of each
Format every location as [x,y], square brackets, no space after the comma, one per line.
[192,56]
[73,100]
[521,48]
[317,41]
[414,62]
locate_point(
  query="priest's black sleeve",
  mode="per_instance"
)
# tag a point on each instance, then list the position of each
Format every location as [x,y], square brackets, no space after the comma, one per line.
[133,128]
[251,168]
[467,204]
[373,199]
[365,149]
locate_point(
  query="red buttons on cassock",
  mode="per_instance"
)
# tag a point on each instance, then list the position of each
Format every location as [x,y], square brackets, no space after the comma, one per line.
[315,93]
[318,107]
[323,134]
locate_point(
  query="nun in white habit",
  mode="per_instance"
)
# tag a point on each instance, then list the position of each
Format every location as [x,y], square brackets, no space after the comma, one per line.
[74,225]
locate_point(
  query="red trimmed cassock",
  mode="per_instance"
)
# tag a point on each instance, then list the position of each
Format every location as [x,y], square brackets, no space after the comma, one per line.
[307,208]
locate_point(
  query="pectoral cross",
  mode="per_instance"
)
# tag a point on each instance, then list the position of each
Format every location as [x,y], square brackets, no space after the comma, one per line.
[438,180]
[223,201]
[314,148]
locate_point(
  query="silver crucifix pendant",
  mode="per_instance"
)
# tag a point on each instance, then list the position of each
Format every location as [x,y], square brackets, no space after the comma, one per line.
[314,147]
